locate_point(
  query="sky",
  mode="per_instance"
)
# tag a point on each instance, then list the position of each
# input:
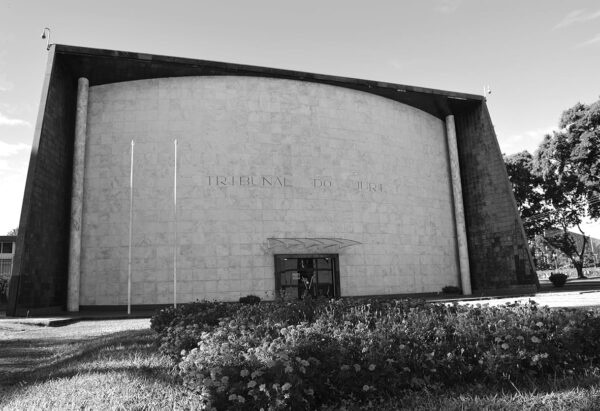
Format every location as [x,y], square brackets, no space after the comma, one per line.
[538,58]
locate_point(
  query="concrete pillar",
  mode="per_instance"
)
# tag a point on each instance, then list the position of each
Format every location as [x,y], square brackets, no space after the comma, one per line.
[77,195]
[459,211]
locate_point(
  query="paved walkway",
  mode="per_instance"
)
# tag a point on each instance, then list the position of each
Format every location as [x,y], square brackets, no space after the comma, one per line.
[69,318]
[564,299]
[576,293]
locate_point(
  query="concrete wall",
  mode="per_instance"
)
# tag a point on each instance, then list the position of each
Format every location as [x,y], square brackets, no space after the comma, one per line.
[39,277]
[261,158]
[498,252]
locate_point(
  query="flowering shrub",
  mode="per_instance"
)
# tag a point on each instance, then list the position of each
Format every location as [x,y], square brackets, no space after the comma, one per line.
[250,299]
[451,289]
[181,328]
[558,279]
[191,313]
[304,355]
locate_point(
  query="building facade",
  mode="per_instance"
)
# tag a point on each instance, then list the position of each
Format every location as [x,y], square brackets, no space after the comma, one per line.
[157,179]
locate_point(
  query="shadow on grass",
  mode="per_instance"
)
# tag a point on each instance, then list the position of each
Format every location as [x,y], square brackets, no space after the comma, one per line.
[24,361]
[122,370]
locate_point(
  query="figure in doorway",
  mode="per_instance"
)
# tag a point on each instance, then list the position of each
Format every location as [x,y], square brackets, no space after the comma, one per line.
[307,280]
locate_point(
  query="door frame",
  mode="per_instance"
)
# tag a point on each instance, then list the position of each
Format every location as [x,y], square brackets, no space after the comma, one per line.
[336,269]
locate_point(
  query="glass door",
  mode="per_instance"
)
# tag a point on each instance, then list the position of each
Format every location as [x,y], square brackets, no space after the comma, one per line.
[299,276]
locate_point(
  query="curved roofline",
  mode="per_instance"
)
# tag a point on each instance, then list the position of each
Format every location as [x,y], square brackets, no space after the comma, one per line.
[102,66]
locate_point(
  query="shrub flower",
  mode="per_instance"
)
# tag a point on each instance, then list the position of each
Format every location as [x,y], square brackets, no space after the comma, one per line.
[275,355]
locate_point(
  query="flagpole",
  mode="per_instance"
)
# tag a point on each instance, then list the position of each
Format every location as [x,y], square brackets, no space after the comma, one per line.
[130,231]
[175,221]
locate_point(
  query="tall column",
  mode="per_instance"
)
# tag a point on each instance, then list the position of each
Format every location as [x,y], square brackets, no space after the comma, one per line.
[77,195]
[459,211]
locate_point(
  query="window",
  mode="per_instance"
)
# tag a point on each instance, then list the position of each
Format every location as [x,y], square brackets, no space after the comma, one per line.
[6,248]
[5,268]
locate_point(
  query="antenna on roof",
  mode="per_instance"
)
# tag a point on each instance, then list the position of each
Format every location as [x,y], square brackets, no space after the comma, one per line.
[46,35]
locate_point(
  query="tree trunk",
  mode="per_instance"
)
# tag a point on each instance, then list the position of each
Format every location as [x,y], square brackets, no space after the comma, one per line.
[579,267]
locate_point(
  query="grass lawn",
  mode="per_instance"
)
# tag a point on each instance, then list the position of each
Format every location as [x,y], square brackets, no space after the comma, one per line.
[88,365]
[115,365]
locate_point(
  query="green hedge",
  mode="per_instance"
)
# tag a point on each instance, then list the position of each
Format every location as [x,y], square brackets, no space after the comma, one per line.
[306,354]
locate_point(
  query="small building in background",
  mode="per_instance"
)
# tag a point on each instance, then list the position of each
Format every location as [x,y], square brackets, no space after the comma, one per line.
[7,252]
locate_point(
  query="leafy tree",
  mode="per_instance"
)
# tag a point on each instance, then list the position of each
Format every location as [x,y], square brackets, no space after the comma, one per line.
[581,150]
[560,185]
[527,190]
[14,231]
[568,161]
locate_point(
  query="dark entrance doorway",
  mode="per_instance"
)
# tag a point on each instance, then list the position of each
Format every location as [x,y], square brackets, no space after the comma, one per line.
[299,275]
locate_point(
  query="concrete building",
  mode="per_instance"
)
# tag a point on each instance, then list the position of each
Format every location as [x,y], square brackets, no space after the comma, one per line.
[253,180]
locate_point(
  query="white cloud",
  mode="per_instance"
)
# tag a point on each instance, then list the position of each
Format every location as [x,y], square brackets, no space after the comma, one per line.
[577,16]
[9,150]
[593,40]
[13,173]
[5,85]
[447,6]
[7,121]
[12,197]
[528,140]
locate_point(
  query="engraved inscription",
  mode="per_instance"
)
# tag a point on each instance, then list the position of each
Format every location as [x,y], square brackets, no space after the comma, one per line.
[275,181]
[369,186]
[321,183]
[249,181]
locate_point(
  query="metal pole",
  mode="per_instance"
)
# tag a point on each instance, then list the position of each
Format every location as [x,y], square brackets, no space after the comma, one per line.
[130,231]
[175,221]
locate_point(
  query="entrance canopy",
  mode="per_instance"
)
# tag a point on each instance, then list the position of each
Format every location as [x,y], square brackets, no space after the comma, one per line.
[307,243]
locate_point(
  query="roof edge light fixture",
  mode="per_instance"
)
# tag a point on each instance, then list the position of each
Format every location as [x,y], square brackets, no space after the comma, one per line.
[487,90]
[46,35]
